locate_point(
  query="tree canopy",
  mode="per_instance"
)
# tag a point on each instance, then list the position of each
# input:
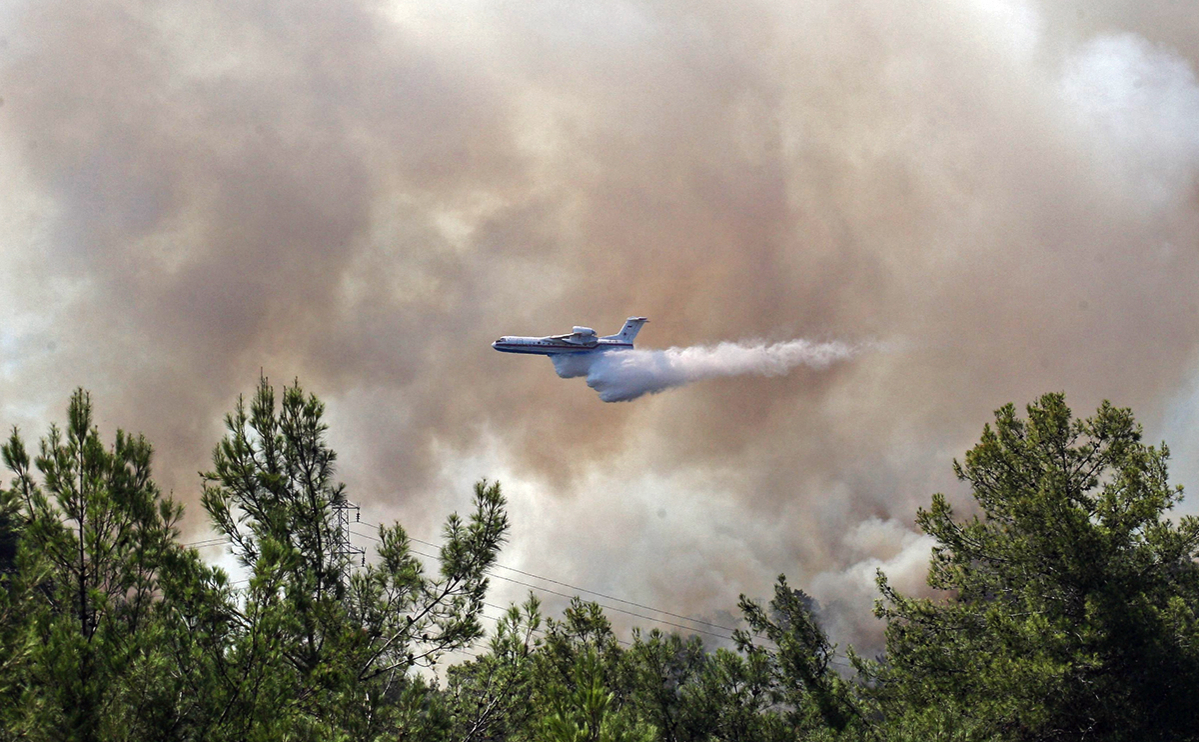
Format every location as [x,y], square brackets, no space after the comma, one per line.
[1072,596]
[1061,605]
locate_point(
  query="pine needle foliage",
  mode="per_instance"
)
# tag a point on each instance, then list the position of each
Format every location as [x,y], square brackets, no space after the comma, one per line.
[1071,598]
[82,604]
[322,649]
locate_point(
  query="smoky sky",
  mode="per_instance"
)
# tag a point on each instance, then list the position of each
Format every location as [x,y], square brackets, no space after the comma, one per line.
[364,195]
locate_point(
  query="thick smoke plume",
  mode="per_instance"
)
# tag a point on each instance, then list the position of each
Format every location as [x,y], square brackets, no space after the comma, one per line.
[364,194]
[625,375]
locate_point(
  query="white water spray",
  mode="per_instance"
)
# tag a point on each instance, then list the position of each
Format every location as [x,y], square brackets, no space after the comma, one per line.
[619,376]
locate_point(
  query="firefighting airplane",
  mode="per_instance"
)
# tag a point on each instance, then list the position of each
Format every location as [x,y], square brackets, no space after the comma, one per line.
[581,340]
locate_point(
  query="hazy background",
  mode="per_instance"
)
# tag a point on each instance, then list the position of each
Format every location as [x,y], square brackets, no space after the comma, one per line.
[364,195]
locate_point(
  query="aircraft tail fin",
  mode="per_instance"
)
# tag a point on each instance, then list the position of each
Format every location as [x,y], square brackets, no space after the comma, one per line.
[631,327]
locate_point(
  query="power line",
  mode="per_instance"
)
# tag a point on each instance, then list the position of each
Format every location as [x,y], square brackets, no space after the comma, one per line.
[835,659]
[465,651]
[591,592]
[573,587]
[215,541]
[601,595]
[614,608]
[561,594]
[539,632]
[207,542]
[601,605]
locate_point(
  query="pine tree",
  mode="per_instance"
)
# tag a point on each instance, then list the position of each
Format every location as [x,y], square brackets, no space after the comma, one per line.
[81,623]
[320,649]
[1070,608]
[493,696]
[788,644]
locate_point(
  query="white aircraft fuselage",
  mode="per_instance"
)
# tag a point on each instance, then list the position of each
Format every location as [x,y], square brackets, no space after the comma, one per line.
[580,340]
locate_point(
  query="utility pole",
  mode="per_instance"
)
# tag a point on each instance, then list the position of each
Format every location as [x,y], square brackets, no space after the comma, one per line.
[345,552]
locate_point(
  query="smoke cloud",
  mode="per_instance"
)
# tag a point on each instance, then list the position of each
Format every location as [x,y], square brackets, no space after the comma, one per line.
[626,375]
[364,194]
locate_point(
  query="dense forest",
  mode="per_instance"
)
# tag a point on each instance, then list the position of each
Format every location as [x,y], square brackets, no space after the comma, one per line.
[1064,608]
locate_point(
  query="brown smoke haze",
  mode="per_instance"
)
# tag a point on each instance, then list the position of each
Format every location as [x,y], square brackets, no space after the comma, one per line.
[1001,194]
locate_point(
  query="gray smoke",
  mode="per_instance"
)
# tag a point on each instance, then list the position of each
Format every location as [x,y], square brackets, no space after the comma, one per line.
[365,194]
[621,376]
